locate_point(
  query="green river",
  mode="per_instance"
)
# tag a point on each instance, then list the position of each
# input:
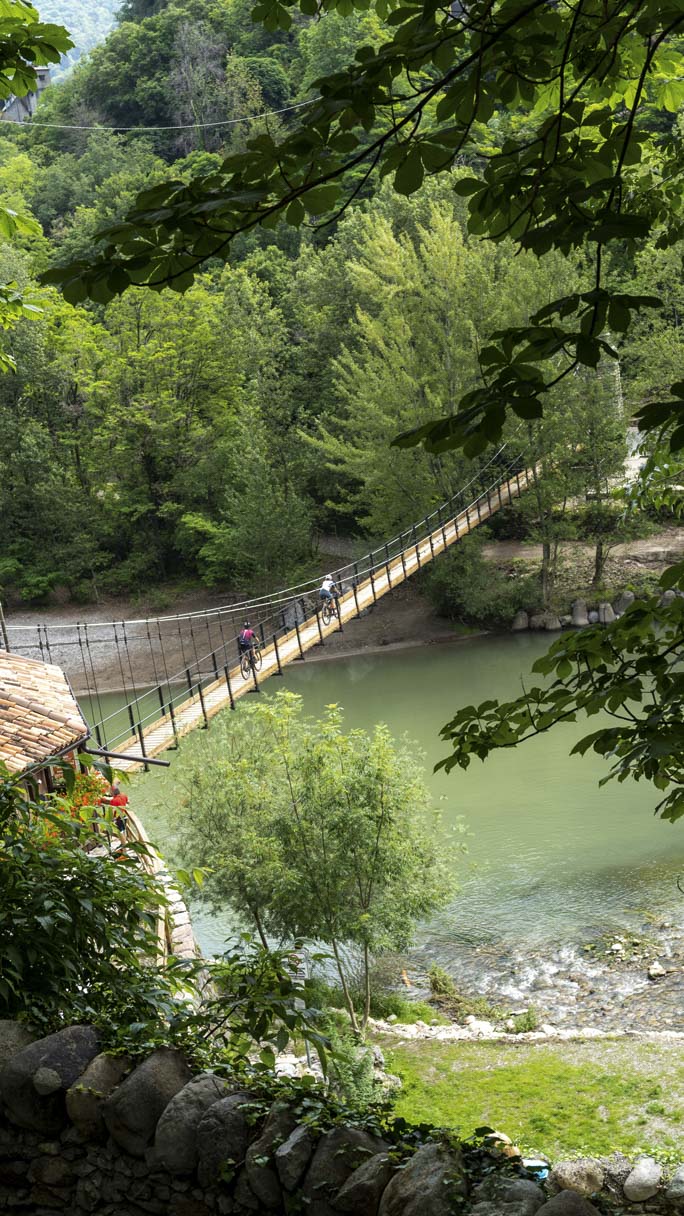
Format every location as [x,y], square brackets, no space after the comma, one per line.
[552,860]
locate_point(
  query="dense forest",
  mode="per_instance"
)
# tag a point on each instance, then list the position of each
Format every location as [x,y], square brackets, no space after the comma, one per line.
[213,435]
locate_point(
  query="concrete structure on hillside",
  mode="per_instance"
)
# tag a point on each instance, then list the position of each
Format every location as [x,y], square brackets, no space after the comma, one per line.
[18,109]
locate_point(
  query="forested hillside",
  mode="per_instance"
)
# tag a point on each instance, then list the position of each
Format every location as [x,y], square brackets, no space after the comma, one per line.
[211,435]
[88,21]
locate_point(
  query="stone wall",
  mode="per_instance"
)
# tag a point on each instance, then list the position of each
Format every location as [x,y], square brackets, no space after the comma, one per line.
[85,1132]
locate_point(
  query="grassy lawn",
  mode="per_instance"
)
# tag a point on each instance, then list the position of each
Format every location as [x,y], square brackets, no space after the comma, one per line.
[559,1100]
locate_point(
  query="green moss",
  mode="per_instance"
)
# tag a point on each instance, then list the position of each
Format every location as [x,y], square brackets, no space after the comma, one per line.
[564,1100]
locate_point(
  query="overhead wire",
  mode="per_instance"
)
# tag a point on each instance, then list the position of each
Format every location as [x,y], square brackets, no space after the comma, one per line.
[186,126]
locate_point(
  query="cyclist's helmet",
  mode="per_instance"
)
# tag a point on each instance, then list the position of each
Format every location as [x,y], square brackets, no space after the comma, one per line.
[329,576]
[246,625]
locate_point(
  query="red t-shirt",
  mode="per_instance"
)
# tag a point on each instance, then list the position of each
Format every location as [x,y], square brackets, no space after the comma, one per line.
[119,800]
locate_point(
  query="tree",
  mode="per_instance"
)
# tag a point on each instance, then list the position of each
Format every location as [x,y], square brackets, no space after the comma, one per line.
[313,833]
[580,166]
[24,42]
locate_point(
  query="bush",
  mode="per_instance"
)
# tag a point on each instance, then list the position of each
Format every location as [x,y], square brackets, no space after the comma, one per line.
[465,587]
[441,983]
[351,1075]
[522,1022]
[328,997]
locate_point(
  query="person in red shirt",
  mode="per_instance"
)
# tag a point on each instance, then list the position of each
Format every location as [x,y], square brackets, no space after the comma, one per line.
[119,801]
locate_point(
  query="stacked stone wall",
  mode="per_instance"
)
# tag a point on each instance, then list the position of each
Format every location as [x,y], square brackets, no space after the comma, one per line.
[83,1132]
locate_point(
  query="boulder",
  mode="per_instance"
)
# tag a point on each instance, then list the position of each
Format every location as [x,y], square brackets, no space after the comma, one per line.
[580,619]
[13,1038]
[132,1111]
[617,1169]
[175,1139]
[585,1175]
[606,615]
[537,620]
[58,1060]
[623,602]
[510,1196]
[568,1203]
[520,621]
[84,1099]
[565,620]
[223,1134]
[260,1167]
[244,1196]
[667,598]
[593,617]
[338,1154]
[292,1158]
[674,1192]
[643,1181]
[362,1192]
[431,1183]
[656,970]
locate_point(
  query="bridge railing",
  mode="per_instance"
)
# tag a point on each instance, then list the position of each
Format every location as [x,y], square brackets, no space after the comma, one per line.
[275,617]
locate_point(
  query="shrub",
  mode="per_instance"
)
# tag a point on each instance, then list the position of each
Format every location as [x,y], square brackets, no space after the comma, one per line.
[465,587]
[522,1022]
[441,983]
[351,1075]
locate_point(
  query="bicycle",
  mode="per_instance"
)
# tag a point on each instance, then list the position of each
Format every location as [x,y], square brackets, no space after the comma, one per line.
[329,611]
[251,660]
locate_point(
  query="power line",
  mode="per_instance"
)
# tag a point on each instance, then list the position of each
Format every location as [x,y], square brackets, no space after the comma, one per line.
[189,126]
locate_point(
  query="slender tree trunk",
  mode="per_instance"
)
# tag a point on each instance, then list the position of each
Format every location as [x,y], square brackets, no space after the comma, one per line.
[599,563]
[367,988]
[260,928]
[343,980]
[546,573]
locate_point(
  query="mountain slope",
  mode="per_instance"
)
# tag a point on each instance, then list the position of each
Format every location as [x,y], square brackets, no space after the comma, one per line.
[88,22]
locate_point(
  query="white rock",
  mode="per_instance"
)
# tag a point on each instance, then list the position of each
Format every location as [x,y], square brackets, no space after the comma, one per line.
[644,1180]
[479,1028]
[656,970]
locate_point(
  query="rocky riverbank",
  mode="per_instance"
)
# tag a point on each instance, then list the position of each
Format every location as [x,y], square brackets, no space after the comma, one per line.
[627,981]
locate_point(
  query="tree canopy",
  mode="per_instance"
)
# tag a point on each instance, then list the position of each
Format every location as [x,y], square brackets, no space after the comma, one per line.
[574,168]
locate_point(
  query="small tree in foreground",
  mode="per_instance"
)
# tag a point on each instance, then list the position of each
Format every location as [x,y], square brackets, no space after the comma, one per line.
[314,833]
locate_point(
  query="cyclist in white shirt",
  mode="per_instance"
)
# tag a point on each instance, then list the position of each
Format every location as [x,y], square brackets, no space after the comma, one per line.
[328,589]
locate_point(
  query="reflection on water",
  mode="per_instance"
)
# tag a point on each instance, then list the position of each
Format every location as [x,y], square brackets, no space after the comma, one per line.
[551,856]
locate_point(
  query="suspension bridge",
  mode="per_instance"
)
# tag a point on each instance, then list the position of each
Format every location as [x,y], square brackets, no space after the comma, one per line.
[193,659]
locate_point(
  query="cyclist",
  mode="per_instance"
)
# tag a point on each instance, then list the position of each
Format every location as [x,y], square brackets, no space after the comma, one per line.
[247,639]
[328,589]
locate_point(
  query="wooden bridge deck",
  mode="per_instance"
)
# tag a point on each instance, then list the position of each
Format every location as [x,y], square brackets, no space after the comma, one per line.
[198,709]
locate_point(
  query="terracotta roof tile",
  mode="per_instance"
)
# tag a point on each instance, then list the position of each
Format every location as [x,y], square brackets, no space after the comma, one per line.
[39,715]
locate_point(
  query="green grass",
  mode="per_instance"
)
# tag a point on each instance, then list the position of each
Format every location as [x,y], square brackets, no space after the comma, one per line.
[558,1100]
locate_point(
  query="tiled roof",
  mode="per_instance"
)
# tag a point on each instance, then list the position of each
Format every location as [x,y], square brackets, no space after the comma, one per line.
[39,715]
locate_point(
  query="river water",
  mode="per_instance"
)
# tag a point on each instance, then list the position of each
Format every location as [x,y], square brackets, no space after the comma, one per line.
[554,862]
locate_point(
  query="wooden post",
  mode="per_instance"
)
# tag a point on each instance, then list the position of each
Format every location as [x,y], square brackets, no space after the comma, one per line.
[3,629]
[277,653]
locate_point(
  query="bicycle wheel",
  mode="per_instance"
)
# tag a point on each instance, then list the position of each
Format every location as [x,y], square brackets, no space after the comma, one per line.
[257,658]
[327,612]
[245,666]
